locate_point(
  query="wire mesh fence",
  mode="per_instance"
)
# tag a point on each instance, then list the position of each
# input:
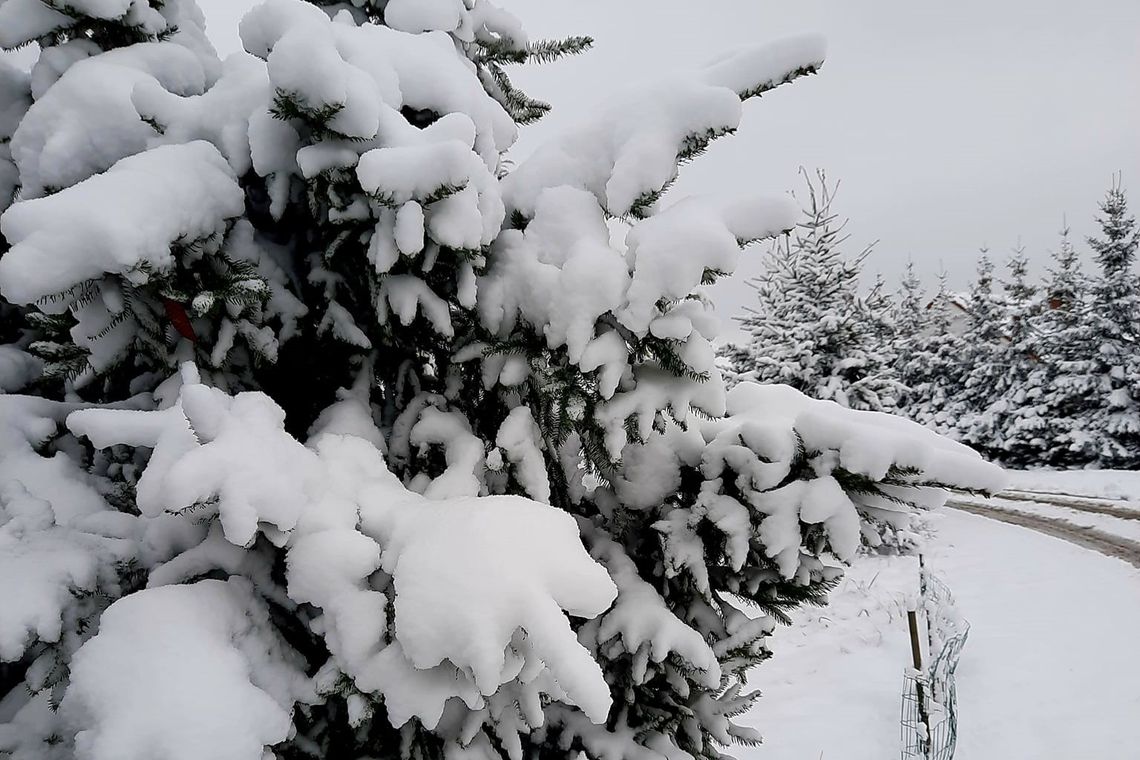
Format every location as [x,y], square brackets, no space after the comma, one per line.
[929,707]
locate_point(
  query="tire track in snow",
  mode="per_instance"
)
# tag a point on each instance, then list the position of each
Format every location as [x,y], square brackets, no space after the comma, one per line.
[1089,538]
[1078,503]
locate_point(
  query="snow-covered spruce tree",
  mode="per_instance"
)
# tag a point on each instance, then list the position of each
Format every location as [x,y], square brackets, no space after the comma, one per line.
[1066,379]
[1018,410]
[425,571]
[881,309]
[984,357]
[811,329]
[910,314]
[929,363]
[909,319]
[1115,315]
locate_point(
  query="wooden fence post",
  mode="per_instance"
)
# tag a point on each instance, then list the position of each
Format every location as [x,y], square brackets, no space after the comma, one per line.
[916,655]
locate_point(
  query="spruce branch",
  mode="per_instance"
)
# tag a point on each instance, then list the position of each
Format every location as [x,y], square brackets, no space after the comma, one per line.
[760,88]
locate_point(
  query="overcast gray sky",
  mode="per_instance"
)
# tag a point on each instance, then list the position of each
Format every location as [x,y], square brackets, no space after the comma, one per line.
[951,124]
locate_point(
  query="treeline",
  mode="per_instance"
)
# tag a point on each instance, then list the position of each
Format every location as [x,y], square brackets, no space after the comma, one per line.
[1029,371]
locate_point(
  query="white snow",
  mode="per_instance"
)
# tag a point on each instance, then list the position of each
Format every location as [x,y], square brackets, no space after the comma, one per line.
[410,228]
[46,554]
[86,121]
[763,67]
[406,296]
[233,672]
[15,98]
[24,20]
[197,443]
[17,368]
[1041,675]
[122,222]
[643,622]
[757,441]
[221,115]
[463,452]
[521,439]
[370,72]
[571,275]
[424,15]
[482,584]
[41,573]
[897,441]
[670,252]
[627,148]
[414,172]
[1104,484]
[465,585]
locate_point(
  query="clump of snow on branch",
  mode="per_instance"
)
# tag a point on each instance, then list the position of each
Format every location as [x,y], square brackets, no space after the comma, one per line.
[50,546]
[123,221]
[473,597]
[769,429]
[234,672]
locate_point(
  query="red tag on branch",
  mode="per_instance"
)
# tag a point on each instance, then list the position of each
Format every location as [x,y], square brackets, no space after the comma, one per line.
[176,313]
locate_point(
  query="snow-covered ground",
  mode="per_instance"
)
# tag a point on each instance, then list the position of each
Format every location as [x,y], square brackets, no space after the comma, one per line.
[1047,673]
[1105,484]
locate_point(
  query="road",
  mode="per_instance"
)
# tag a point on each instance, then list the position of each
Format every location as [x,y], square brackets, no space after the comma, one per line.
[1112,534]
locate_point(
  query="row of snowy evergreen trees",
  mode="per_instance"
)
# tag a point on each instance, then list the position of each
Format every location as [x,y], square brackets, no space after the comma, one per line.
[325,433]
[1031,373]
